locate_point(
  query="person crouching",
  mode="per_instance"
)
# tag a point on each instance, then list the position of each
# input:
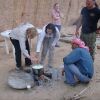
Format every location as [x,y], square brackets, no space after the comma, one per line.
[78,65]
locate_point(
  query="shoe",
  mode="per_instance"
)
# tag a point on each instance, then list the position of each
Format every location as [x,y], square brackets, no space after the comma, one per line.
[18,69]
[57,45]
[28,69]
[85,83]
[72,84]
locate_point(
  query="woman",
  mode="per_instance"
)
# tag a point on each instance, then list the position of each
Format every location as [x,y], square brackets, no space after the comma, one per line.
[48,37]
[56,17]
[19,38]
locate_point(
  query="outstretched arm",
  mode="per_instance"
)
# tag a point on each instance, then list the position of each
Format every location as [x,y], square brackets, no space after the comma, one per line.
[78,25]
[57,37]
[40,38]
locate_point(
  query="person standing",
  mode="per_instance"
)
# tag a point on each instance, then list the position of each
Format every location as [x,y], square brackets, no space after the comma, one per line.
[56,17]
[78,65]
[48,37]
[19,38]
[88,20]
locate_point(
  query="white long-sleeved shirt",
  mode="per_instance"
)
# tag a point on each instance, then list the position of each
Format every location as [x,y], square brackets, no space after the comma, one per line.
[41,38]
[19,33]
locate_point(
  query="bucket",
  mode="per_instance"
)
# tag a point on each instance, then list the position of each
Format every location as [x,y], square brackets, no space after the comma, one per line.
[37,70]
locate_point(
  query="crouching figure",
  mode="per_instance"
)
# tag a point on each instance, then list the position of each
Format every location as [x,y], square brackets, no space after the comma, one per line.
[78,65]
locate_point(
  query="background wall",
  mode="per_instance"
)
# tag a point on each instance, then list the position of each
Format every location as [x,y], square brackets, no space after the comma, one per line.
[13,12]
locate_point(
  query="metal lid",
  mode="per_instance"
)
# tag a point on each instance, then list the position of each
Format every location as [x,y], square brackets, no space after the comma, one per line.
[20,80]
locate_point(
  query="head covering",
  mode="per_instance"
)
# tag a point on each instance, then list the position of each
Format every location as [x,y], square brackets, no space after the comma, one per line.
[79,42]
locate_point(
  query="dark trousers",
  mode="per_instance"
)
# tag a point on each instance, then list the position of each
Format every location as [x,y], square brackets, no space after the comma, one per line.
[90,40]
[18,53]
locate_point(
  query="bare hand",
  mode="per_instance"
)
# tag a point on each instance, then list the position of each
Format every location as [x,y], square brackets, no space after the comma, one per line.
[63,72]
[98,31]
[34,58]
[77,34]
[37,54]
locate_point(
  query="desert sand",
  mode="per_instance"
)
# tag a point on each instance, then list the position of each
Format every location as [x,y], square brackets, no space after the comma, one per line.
[58,91]
[13,12]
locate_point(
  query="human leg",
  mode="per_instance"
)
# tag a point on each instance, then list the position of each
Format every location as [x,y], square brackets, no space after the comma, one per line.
[83,78]
[51,57]
[44,51]
[59,28]
[76,72]
[27,60]
[90,40]
[69,76]
[17,52]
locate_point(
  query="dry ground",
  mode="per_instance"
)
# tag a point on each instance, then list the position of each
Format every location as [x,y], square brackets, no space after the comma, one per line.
[58,91]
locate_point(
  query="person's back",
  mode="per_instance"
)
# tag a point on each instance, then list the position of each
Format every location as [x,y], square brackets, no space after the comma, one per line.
[78,64]
[85,62]
[20,31]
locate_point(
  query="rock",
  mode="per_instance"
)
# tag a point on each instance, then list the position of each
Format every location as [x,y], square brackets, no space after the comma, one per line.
[67,38]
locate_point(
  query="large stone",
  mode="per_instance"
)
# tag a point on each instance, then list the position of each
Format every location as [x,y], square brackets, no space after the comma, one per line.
[67,38]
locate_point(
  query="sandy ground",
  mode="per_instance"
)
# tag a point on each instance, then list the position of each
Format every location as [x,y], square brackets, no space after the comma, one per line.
[58,91]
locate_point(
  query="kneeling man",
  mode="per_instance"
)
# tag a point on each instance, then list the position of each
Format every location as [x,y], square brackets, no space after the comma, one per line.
[78,65]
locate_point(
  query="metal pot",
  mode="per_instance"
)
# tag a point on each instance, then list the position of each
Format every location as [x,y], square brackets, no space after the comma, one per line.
[37,71]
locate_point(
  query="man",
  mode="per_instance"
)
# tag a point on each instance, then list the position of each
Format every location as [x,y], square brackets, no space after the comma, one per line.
[78,65]
[88,20]
[48,37]
[19,38]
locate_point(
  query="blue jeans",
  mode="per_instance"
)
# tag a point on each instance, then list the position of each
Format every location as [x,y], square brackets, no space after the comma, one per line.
[47,48]
[72,74]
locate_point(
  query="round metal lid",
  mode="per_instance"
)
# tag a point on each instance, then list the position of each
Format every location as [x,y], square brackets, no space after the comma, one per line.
[20,80]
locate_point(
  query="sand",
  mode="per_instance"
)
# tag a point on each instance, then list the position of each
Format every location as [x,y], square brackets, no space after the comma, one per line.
[58,91]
